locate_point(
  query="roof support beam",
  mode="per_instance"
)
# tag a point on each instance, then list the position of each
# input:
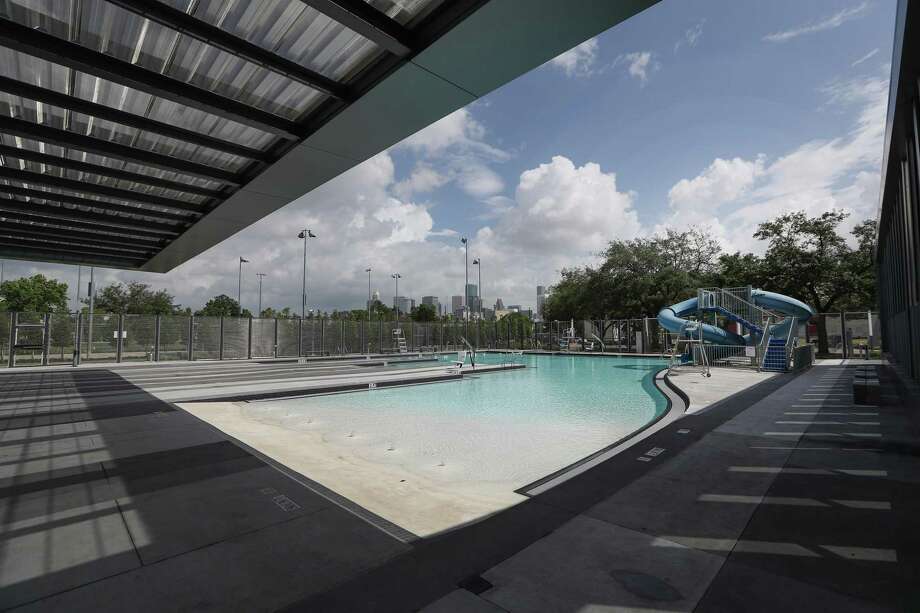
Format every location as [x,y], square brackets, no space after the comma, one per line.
[25,253]
[96,204]
[62,248]
[17,211]
[103,171]
[65,53]
[367,21]
[216,37]
[18,225]
[29,232]
[60,100]
[87,187]
[63,138]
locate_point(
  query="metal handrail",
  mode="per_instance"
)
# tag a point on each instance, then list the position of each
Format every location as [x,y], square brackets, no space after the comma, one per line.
[789,340]
[764,343]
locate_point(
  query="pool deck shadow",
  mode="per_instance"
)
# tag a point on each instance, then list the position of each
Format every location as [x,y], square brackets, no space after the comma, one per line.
[730,512]
[152,509]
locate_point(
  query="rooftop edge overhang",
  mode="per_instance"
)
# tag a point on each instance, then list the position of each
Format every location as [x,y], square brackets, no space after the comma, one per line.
[902,93]
[105,201]
[497,43]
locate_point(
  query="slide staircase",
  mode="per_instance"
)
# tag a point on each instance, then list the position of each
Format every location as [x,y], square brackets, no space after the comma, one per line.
[768,320]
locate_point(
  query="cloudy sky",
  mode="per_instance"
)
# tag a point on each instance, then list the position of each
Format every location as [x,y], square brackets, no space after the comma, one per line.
[718,113]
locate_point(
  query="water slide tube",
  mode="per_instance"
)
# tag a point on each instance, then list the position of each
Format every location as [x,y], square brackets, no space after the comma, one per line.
[672,318]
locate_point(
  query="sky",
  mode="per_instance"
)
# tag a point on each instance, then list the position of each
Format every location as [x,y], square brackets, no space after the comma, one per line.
[718,114]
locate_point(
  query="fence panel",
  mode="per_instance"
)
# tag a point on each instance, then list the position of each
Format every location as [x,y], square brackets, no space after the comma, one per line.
[206,338]
[312,335]
[98,342]
[137,343]
[63,329]
[288,332]
[263,338]
[174,337]
[236,338]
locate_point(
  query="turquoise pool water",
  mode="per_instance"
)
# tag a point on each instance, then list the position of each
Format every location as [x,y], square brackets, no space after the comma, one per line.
[515,426]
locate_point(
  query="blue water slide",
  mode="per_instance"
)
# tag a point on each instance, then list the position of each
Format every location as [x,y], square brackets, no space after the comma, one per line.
[672,318]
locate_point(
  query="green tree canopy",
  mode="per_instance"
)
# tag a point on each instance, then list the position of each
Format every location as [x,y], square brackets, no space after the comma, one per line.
[222,306]
[636,277]
[808,259]
[35,294]
[136,298]
[424,312]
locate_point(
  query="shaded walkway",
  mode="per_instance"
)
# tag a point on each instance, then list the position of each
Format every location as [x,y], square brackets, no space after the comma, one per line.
[111,499]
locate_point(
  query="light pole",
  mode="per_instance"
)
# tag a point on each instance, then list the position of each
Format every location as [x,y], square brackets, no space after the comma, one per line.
[368,271]
[397,277]
[466,284]
[79,281]
[478,264]
[304,234]
[260,275]
[239,287]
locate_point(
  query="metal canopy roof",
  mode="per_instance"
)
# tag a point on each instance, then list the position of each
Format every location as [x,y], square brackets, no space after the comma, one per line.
[126,124]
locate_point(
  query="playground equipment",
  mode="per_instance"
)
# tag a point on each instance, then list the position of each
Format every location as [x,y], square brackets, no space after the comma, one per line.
[768,322]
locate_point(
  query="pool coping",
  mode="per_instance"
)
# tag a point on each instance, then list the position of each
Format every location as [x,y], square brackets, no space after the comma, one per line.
[677,406]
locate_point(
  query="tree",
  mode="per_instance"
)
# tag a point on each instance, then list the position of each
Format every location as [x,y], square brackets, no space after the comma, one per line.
[136,298]
[808,259]
[222,306]
[636,277]
[424,312]
[36,294]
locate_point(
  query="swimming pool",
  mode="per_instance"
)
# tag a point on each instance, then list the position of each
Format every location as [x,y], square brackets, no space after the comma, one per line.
[510,427]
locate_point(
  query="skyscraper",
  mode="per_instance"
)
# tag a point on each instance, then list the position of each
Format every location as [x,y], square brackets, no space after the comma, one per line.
[541,301]
[433,302]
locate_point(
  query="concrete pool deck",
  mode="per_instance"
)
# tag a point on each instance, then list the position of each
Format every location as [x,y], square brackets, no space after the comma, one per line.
[114,500]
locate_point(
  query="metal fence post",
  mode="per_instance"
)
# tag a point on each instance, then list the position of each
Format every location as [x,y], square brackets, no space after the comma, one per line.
[300,338]
[118,341]
[46,339]
[191,333]
[77,340]
[156,337]
[275,340]
[220,339]
[249,340]
[14,321]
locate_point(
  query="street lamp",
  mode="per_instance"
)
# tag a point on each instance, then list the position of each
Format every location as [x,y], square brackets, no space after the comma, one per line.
[478,264]
[304,234]
[466,285]
[368,271]
[260,275]
[239,286]
[397,277]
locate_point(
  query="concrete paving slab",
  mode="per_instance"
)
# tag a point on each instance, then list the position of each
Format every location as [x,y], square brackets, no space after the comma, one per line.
[461,601]
[740,587]
[258,571]
[179,519]
[671,501]
[62,549]
[588,563]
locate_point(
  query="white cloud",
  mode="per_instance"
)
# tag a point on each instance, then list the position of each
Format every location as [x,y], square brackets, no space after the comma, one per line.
[864,58]
[731,197]
[638,64]
[828,23]
[691,36]
[578,61]
[423,179]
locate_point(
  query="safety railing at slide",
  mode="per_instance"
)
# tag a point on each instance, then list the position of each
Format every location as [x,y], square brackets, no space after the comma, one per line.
[738,301]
